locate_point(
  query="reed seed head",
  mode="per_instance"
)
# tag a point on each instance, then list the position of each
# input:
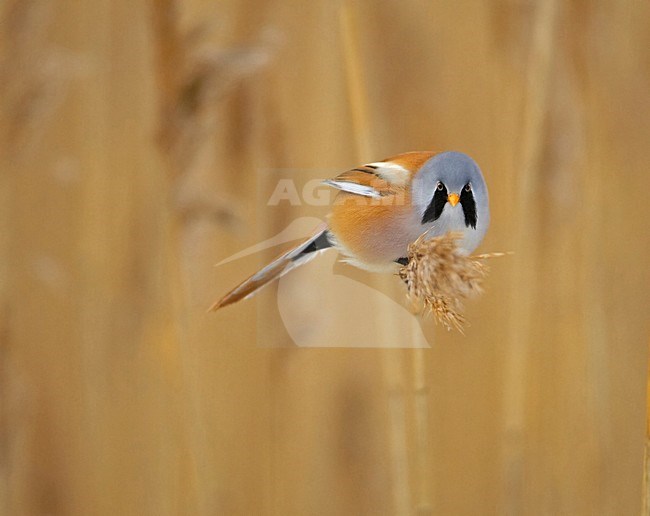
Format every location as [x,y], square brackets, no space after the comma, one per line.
[439,277]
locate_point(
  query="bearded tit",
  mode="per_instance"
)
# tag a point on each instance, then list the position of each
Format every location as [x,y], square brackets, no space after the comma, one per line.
[383,207]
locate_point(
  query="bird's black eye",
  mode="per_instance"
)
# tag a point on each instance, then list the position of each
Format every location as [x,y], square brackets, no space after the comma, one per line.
[468,187]
[440,186]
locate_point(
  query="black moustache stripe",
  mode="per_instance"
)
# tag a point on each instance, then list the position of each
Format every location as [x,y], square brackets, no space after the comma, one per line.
[469,208]
[437,204]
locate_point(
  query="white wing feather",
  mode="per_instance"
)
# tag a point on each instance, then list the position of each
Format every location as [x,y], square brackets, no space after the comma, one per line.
[355,188]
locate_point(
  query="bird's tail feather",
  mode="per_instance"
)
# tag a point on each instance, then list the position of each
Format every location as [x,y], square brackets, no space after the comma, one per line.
[297,256]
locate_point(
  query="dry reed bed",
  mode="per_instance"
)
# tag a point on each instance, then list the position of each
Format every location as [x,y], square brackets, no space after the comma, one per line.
[117,393]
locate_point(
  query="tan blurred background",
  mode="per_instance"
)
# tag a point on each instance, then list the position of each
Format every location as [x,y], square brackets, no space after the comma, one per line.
[139,143]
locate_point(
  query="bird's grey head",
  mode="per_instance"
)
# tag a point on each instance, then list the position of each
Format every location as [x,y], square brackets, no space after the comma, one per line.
[449,190]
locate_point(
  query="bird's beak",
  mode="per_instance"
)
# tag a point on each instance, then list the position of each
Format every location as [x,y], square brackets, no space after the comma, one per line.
[453,199]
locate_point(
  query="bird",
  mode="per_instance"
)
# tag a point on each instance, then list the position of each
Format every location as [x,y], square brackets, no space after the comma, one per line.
[382,207]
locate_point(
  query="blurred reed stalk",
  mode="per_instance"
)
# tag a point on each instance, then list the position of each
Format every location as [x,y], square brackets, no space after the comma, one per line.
[32,85]
[33,77]
[193,77]
[540,59]
[423,503]
[178,122]
[392,360]
[391,368]
[646,462]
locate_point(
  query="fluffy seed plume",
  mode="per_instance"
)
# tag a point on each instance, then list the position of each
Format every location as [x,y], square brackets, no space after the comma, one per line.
[439,277]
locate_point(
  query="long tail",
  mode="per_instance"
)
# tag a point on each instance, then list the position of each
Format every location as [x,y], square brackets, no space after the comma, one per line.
[276,269]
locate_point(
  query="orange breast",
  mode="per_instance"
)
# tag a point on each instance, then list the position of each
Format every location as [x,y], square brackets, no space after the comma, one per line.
[373,231]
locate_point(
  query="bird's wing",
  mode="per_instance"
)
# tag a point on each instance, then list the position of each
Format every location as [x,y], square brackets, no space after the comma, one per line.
[372,180]
[382,178]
